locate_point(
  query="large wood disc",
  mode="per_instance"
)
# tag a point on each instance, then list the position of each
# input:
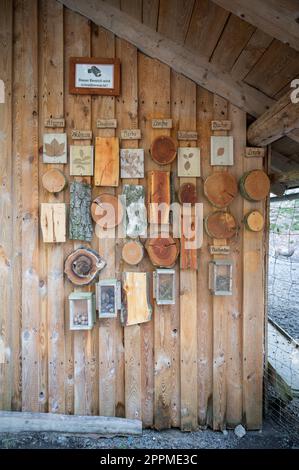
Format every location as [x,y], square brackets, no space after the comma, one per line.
[132,252]
[163,150]
[162,252]
[101,214]
[220,189]
[54,180]
[221,225]
[255,185]
[254,221]
[187,193]
[83,265]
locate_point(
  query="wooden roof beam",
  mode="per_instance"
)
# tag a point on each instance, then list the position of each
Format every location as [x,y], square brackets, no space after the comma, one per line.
[183,61]
[274,17]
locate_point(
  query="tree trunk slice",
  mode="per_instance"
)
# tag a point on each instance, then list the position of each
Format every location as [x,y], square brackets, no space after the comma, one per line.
[163,150]
[220,189]
[221,225]
[187,193]
[54,181]
[101,214]
[162,252]
[254,221]
[82,266]
[255,185]
[132,252]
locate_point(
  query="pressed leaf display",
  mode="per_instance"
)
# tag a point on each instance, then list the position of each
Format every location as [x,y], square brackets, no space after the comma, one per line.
[222,150]
[188,162]
[81,160]
[55,148]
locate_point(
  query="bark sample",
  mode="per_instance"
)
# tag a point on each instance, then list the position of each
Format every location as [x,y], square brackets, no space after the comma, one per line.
[162,250]
[255,185]
[221,225]
[220,189]
[163,150]
[83,265]
[158,193]
[80,223]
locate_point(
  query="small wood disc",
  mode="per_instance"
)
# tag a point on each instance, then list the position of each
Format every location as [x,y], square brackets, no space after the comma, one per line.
[221,225]
[187,193]
[254,221]
[102,213]
[255,185]
[132,252]
[54,180]
[220,189]
[163,150]
[162,250]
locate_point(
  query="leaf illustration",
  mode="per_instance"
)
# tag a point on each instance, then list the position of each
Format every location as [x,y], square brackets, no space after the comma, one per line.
[187,166]
[55,149]
[190,155]
[220,151]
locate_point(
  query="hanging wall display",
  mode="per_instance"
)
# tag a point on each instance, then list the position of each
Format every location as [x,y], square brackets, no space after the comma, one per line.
[55,148]
[81,160]
[162,250]
[136,306]
[94,76]
[163,150]
[164,286]
[54,180]
[221,225]
[255,185]
[188,162]
[53,222]
[220,188]
[106,161]
[107,211]
[220,277]
[187,193]
[222,150]
[82,310]
[83,265]
[132,163]
[158,192]
[254,221]
[132,252]
[108,294]
[135,221]
[80,223]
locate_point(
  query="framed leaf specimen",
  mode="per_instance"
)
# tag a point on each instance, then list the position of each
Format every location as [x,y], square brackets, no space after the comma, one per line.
[222,150]
[188,161]
[55,148]
[81,160]
[132,163]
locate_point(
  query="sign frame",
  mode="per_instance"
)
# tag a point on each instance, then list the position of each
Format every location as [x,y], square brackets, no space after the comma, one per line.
[74,61]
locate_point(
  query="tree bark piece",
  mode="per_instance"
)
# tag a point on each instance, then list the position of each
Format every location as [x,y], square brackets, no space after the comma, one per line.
[54,181]
[162,250]
[254,221]
[83,265]
[132,252]
[220,189]
[163,150]
[255,185]
[158,193]
[135,306]
[107,211]
[187,193]
[221,225]
[80,223]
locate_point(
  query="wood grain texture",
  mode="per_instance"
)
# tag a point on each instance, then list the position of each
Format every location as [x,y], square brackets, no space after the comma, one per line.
[106,171]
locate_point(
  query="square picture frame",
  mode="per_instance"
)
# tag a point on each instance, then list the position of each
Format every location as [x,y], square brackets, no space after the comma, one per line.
[94,76]
[189,162]
[222,150]
[132,163]
[55,148]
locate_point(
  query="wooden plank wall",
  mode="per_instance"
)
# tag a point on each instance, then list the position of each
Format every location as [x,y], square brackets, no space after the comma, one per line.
[196,363]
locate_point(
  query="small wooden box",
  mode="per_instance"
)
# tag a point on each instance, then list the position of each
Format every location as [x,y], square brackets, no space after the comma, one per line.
[82,310]
[164,286]
[108,298]
[220,277]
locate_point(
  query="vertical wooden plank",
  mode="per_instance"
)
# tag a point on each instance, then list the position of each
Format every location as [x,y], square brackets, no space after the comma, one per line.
[204,300]
[6,200]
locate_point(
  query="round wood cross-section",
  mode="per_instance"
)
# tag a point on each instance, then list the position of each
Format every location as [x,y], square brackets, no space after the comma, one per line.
[162,250]
[163,150]
[54,180]
[254,221]
[255,185]
[83,265]
[221,225]
[107,211]
[220,189]
[132,252]
[187,193]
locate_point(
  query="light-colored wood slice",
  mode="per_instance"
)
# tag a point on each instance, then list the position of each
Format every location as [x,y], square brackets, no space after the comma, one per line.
[53,222]
[132,252]
[106,161]
[187,193]
[158,192]
[220,189]
[163,150]
[136,307]
[107,211]
[254,221]
[255,185]
[221,225]
[162,250]
[54,180]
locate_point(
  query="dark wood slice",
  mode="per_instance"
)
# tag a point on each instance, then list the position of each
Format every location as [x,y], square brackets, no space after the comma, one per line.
[220,189]
[132,252]
[54,181]
[162,252]
[221,225]
[255,185]
[254,221]
[83,265]
[163,150]
[187,193]
[101,214]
